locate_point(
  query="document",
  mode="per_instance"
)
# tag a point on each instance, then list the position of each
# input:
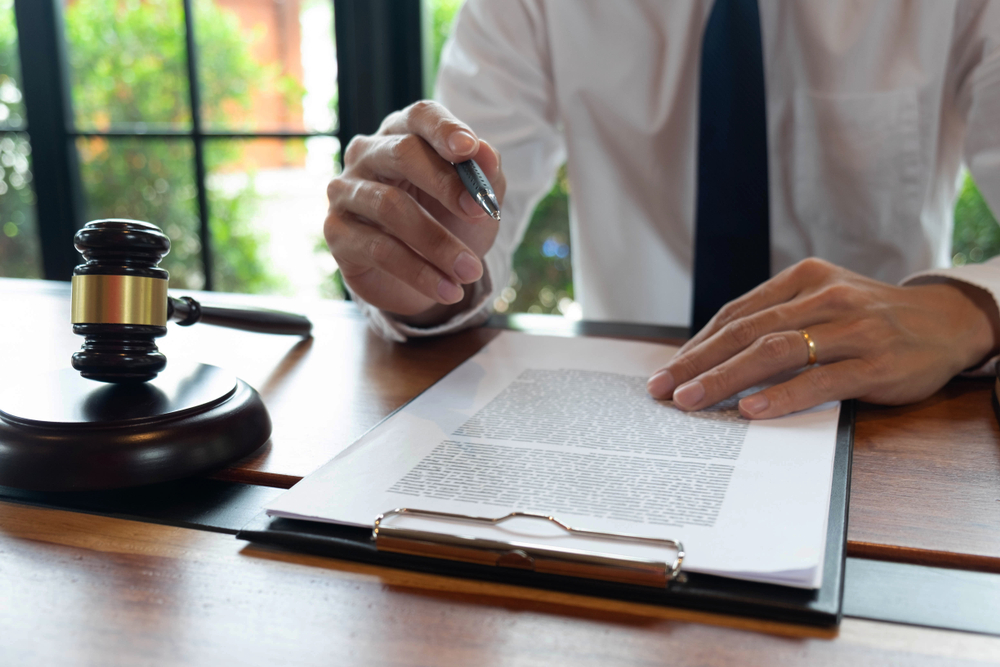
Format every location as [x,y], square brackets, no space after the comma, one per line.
[564,427]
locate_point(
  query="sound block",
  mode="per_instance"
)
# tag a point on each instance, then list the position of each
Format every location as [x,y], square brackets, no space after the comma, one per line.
[62,432]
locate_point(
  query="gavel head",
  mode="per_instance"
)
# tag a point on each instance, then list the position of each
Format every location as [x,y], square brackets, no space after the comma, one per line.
[120,300]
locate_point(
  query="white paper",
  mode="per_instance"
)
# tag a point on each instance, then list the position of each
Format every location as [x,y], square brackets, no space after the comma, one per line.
[565,427]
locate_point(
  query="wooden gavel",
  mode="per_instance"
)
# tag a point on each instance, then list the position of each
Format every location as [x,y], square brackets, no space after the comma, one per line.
[120,303]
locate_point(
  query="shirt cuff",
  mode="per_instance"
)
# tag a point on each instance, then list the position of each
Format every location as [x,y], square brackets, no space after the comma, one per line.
[387,326]
[985,276]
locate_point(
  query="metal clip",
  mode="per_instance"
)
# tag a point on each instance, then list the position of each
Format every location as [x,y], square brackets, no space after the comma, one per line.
[526,556]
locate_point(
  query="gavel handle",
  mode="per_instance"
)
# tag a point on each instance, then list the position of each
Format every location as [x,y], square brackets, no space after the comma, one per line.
[186,311]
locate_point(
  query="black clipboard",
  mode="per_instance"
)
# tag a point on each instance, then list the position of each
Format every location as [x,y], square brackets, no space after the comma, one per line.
[821,607]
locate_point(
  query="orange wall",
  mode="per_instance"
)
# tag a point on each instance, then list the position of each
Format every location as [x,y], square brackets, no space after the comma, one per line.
[277,39]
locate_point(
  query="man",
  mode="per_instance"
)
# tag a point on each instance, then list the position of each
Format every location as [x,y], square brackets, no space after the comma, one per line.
[870,110]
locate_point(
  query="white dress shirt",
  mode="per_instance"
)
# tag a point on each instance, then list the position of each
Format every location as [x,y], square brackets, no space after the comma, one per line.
[872,108]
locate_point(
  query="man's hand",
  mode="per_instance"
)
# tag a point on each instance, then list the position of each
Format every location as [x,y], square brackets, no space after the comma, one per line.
[874,341]
[404,231]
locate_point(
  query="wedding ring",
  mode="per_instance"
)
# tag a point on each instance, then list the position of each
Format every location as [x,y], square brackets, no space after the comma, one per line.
[811,345]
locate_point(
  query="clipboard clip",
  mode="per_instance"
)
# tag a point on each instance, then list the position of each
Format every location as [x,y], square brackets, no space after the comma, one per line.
[527,556]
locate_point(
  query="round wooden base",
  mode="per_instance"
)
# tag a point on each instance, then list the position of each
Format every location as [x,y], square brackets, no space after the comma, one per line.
[62,432]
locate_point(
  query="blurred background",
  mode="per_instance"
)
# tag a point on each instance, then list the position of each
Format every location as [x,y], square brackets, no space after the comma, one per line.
[221,121]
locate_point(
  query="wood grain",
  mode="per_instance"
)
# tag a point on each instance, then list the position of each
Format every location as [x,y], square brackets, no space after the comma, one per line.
[926,478]
[81,589]
[926,481]
[322,393]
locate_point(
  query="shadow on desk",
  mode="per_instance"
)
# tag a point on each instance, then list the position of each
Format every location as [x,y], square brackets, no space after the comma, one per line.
[486,594]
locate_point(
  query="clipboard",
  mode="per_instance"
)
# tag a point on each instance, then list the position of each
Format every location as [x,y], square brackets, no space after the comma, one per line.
[648,582]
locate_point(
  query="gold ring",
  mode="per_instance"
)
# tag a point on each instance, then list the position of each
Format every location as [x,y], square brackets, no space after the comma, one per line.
[811,345]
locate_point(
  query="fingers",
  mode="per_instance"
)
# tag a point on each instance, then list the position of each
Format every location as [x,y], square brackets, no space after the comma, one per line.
[402,159]
[406,158]
[874,341]
[361,248]
[767,357]
[396,214]
[450,138]
[833,382]
[399,216]
[843,373]
[780,289]
[728,341]
[738,335]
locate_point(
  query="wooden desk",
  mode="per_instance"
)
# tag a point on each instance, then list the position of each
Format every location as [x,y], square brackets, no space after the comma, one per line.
[87,590]
[79,588]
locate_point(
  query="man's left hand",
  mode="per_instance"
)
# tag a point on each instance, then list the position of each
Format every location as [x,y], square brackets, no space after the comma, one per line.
[874,341]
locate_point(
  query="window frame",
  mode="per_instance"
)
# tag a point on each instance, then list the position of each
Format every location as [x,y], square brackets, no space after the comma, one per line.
[380,69]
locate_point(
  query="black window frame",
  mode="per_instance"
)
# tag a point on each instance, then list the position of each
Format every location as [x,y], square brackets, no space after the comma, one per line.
[380,70]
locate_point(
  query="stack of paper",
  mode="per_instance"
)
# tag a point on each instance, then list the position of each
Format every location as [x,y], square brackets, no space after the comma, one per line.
[565,427]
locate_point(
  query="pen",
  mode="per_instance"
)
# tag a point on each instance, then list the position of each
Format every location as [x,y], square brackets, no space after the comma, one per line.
[480,189]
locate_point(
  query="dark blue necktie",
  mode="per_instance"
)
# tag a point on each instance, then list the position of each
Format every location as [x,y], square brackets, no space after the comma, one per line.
[732,250]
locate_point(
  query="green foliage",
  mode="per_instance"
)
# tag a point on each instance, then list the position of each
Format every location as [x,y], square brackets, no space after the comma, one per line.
[127,63]
[11,105]
[240,270]
[128,66]
[20,255]
[19,250]
[977,236]
[542,281]
[148,180]
[442,16]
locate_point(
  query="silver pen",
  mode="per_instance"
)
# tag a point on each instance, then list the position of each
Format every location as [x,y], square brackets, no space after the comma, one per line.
[479,187]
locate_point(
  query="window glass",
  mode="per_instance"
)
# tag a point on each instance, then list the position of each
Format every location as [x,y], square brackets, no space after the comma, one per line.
[11,105]
[150,180]
[440,15]
[127,64]
[267,206]
[977,235]
[20,255]
[267,65]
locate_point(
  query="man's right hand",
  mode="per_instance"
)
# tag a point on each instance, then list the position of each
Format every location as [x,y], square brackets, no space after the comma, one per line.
[404,231]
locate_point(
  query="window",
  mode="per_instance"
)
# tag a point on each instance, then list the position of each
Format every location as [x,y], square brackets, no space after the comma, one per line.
[19,252]
[217,120]
[222,120]
[226,147]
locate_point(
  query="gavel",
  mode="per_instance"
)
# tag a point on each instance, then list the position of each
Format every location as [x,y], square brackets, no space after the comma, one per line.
[120,303]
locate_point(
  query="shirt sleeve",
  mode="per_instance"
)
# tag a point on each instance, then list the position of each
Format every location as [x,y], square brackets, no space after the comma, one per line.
[977,62]
[495,75]
[985,276]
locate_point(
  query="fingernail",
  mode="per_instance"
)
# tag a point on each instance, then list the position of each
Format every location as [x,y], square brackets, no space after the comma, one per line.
[449,291]
[462,143]
[688,395]
[754,404]
[661,384]
[468,268]
[470,206]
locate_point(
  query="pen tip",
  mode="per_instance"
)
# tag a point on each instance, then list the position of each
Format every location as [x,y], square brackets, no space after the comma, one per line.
[491,205]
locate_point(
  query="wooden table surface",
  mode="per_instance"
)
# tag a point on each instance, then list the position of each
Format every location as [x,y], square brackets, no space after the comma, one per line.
[84,589]
[87,590]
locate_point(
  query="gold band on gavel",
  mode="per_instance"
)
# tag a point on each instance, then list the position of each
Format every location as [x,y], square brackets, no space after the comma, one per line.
[119,300]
